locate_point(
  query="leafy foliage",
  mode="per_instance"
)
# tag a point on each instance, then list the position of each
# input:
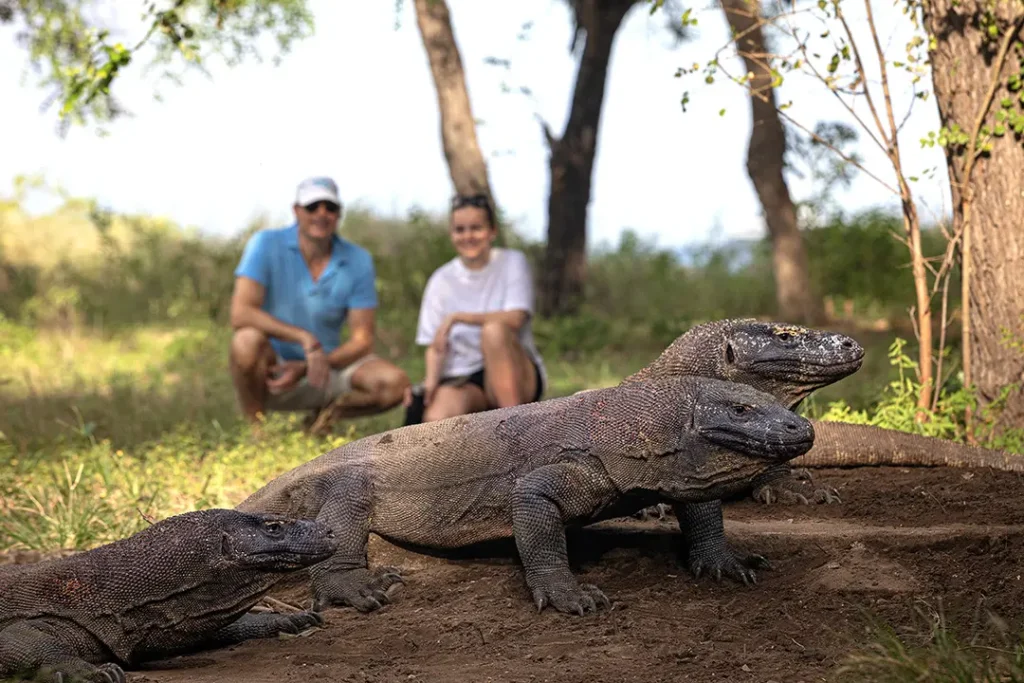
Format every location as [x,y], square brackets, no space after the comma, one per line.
[76,55]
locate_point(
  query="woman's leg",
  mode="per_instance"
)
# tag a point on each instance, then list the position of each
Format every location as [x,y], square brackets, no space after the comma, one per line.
[450,400]
[510,378]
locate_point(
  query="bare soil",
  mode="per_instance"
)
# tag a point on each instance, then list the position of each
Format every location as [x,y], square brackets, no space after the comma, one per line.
[900,536]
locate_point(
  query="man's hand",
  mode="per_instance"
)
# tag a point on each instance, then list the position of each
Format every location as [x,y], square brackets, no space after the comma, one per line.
[290,372]
[317,367]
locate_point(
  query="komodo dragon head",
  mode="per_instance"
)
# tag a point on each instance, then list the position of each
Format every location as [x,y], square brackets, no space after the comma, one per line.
[269,543]
[692,438]
[787,361]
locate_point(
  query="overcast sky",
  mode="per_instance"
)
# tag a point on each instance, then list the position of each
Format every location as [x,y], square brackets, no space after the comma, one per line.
[356,101]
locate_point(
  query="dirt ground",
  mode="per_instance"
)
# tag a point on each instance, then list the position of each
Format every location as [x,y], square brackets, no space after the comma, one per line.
[899,536]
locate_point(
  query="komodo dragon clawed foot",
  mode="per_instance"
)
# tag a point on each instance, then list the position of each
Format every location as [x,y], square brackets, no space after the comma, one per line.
[81,672]
[264,625]
[725,561]
[785,492]
[571,598]
[659,512]
[359,588]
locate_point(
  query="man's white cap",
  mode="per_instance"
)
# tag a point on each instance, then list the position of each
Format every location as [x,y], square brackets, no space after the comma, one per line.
[316,189]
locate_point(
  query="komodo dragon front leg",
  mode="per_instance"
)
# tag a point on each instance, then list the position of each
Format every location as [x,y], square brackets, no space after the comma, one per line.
[543,502]
[56,652]
[345,579]
[707,550]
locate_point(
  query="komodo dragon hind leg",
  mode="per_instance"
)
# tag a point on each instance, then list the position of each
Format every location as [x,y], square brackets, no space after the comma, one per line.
[707,550]
[32,647]
[781,486]
[344,578]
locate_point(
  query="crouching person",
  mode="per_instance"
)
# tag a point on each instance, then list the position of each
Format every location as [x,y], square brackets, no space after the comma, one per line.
[475,321]
[295,288]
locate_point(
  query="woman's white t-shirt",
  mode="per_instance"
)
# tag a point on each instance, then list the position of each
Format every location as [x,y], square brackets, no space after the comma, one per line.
[504,284]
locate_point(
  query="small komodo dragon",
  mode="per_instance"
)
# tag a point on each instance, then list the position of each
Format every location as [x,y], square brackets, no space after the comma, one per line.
[790,362]
[527,472]
[182,584]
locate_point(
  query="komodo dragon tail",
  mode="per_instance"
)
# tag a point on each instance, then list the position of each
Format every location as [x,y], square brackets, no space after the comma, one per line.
[839,444]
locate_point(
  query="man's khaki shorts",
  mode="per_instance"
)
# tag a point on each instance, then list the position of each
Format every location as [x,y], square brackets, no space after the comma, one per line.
[306,397]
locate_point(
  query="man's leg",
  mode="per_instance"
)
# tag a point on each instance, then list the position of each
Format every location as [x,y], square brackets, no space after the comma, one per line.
[510,377]
[372,385]
[250,359]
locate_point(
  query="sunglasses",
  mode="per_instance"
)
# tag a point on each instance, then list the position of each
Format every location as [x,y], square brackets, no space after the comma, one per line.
[330,206]
[477,200]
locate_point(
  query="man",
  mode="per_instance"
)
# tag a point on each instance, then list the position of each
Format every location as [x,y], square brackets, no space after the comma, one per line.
[295,287]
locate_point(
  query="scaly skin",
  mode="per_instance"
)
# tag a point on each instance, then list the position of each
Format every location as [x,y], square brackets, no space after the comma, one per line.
[183,584]
[786,361]
[526,472]
[838,444]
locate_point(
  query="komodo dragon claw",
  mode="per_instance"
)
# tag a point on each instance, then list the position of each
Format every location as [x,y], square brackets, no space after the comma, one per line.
[779,493]
[728,563]
[358,588]
[660,511]
[580,599]
[104,673]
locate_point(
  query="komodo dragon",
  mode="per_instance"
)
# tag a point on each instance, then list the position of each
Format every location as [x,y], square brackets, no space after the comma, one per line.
[528,471]
[181,584]
[790,362]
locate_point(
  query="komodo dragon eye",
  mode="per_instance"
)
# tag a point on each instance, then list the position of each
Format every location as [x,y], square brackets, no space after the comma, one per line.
[273,528]
[785,336]
[739,410]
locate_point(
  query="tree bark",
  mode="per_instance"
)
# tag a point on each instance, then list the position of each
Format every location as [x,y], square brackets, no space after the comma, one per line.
[571,159]
[796,299]
[962,63]
[466,163]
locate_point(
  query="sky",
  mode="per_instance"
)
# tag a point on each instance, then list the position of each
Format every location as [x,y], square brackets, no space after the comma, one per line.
[356,101]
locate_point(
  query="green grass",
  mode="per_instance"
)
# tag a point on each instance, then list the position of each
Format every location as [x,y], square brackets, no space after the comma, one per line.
[101,430]
[934,651]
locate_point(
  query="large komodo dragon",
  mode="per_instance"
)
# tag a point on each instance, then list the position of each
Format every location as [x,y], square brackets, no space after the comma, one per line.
[790,362]
[182,584]
[526,472]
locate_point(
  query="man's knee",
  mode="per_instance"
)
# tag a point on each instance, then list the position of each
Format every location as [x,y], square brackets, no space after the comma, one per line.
[386,382]
[248,348]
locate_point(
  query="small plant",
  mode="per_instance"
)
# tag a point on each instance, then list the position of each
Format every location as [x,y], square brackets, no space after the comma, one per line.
[936,654]
[898,409]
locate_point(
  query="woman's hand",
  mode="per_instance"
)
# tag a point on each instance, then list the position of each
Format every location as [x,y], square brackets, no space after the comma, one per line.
[440,343]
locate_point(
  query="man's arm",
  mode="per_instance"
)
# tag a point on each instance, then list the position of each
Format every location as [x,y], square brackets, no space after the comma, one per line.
[246,301]
[361,323]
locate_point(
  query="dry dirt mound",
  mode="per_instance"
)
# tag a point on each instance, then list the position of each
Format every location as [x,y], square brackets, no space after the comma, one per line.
[900,535]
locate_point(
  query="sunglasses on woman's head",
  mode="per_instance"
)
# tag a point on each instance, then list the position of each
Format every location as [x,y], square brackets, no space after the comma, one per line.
[477,200]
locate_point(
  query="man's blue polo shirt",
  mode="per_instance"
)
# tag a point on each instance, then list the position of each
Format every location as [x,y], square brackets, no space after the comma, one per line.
[272,258]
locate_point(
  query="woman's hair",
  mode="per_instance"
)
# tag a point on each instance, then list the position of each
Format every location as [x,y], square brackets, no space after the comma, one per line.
[478,200]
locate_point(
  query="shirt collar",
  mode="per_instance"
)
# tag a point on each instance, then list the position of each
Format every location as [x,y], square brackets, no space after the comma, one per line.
[337,244]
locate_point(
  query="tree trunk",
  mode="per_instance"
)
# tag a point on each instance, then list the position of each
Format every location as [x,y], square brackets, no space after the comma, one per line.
[571,159]
[466,163]
[962,64]
[796,300]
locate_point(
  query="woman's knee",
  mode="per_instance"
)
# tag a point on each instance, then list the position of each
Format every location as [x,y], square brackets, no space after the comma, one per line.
[497,337]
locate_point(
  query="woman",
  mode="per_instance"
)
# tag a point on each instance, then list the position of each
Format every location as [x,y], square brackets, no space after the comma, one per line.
[475,322]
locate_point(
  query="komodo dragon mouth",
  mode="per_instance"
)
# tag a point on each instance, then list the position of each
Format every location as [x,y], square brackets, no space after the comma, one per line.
[807,368]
